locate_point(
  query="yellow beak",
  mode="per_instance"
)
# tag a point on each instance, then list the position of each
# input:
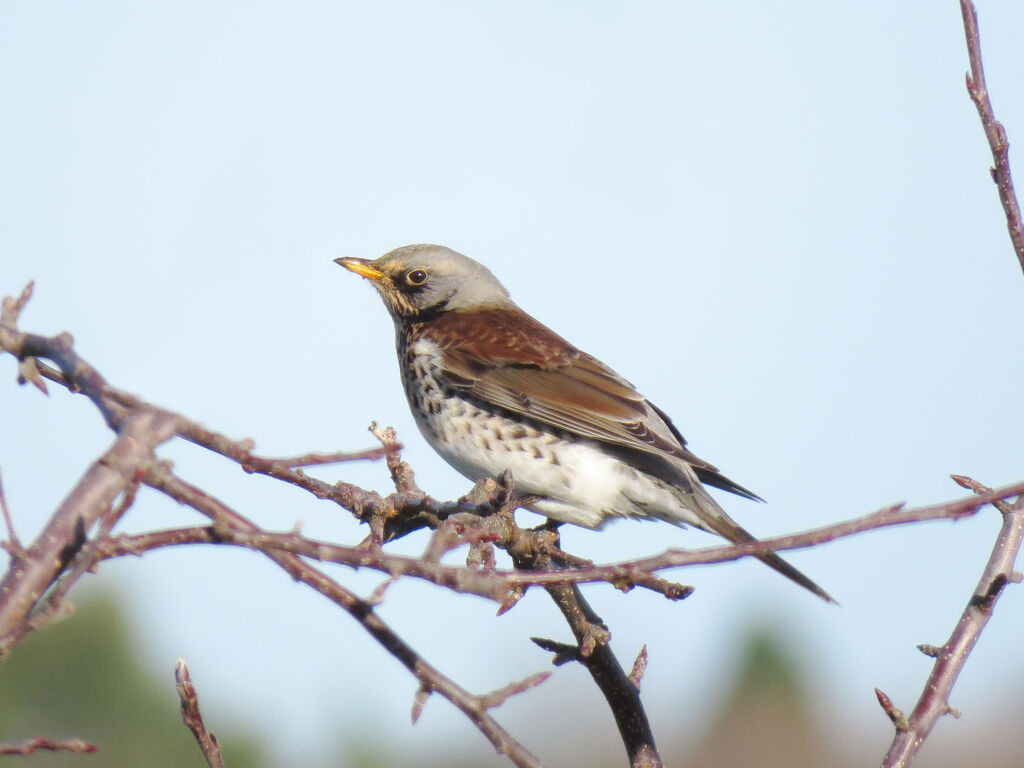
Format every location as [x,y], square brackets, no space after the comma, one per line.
[360,267]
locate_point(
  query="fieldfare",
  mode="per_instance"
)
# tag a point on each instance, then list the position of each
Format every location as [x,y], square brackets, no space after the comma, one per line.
[491,389]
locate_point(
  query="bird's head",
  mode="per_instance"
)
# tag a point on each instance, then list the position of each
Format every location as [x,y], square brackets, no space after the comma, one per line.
[417,280]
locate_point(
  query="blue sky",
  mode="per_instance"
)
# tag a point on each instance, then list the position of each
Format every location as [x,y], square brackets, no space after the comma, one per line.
[775,219]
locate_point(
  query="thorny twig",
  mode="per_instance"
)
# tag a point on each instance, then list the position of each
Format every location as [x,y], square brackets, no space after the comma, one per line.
[12,538]
[593,651]
[950,658]
[409,509]
[483,520]
[132,456]
[431,679]
[338,457]
[84,561]
[994,131]
[66,533]
[495,584]
[193,718]
[41,743]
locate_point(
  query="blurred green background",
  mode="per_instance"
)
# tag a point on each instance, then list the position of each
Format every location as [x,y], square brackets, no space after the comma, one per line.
[82,677]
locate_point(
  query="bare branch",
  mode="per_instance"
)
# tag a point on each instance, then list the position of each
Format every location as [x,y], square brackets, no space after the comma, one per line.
[431,679]
[338,457]
[410,508]
[84,560]
[141,427]
[884,518]
[12,537]
[483,519]
[11,308]
[503,694]
[639,667]
[193,718]
[29,746]
[401,473]
[979,488]
[950,658]
[507,587]
[351,497]
[502,586]
[59,349]
[28,580]
[994,131]
[593,651]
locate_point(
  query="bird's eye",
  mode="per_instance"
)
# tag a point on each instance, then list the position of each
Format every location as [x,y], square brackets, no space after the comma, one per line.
[416,277]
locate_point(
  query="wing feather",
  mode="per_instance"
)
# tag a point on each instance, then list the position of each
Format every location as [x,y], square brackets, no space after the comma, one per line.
[517,364]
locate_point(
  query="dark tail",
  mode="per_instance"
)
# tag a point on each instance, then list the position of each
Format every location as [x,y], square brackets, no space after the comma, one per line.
[717,521]
[775,562]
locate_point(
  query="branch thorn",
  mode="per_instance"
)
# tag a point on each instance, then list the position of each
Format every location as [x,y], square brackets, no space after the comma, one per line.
[639,667]
[514,596]
[422,694]
[895,713]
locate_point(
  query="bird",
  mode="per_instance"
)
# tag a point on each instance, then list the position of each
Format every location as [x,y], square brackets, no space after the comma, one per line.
[493,389]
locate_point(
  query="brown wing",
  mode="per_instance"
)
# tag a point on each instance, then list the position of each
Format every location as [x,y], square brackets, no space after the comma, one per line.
[506,358]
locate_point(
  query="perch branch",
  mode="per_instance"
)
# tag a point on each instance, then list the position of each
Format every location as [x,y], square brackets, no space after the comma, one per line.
[483,520]
[496,584]
[141,428]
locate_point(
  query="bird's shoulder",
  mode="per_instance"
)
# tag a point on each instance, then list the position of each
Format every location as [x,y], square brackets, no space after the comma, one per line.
[497,336]
[508,358]
[505,357]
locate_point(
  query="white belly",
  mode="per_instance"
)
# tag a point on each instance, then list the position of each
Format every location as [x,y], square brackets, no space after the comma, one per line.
[580,483]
